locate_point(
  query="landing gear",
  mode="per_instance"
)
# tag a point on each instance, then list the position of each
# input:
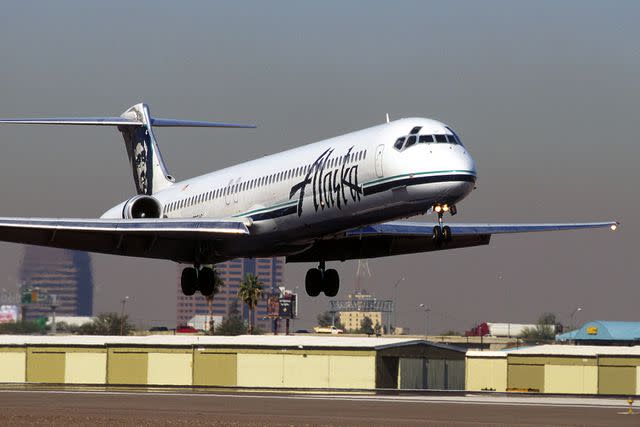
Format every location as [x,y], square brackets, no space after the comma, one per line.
[320,280]
[189,281]
[442,233]
[193,280]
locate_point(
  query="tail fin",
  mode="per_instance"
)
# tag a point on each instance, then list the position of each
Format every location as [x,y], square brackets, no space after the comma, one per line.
[150,173]
[149,170]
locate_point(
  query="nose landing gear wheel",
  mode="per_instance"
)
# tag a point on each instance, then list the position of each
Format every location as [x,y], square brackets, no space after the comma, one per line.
[313,282]
[446,233]
[189,281]
[331,283]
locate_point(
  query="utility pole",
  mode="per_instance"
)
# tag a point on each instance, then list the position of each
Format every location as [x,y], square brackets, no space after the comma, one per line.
[123,301]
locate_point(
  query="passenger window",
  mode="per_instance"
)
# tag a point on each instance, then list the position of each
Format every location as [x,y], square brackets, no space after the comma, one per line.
[415,130]
[410,141]
[398,144]
[441,138]
[426,138]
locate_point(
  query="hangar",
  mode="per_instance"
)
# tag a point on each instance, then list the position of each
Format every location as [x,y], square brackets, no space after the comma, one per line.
[563,369]
[304,362]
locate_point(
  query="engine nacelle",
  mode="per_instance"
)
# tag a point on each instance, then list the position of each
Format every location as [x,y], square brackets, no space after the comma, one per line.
[142,207]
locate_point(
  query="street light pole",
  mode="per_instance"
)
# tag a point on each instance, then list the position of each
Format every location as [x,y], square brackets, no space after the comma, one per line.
[395,308]
[123,301]
[571,317]
[426,317]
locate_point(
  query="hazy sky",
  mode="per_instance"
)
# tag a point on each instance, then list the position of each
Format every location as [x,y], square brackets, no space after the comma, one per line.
[546,96]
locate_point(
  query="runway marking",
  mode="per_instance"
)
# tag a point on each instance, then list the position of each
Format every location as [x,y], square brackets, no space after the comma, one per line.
[541,401]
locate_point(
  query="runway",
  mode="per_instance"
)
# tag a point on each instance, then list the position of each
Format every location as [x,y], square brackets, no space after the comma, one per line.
[144,408]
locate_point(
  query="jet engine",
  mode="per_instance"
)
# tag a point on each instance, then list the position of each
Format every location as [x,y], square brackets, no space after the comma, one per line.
[142,207]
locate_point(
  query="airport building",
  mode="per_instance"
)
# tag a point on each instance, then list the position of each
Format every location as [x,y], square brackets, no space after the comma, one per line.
[270,271]
[66,274]
[558,369]
[601,332]
[298,362]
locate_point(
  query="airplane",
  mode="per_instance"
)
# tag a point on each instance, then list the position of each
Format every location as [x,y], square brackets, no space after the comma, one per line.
[334,200]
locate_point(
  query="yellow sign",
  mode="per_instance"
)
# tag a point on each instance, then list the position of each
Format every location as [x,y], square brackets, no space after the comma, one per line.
[592,330]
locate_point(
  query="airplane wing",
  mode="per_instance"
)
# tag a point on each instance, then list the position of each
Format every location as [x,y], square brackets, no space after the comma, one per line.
[175,239]
[400,237]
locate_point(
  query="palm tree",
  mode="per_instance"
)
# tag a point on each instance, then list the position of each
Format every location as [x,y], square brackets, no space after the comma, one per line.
[250,293]
[218,284]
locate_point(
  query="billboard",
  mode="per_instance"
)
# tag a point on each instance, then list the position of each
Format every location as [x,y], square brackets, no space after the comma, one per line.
[8,313]
[282,306]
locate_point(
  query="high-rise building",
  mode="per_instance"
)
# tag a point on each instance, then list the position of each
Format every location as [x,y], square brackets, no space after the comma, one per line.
[270,271]
[64,273]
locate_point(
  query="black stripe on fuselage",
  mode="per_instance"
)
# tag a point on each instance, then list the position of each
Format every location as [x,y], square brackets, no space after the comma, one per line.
[277,213]
[384,186]
[374,189]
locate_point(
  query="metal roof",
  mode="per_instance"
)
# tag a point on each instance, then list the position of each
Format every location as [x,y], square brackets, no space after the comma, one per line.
[604,330]
[561,350]
[333,342]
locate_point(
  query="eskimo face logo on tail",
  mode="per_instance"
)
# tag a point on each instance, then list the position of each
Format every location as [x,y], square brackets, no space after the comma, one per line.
[331,186]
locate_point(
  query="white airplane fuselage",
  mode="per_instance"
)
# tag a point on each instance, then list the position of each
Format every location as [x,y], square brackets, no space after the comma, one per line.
[292,198]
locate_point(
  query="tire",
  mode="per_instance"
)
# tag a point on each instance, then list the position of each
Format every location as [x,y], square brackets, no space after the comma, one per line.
[436,236]
[331,283]
[313,282]
[189,281]
[446,233]
[205,281]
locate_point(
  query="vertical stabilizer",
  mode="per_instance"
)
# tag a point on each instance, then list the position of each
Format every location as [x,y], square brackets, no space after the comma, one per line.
[149,170]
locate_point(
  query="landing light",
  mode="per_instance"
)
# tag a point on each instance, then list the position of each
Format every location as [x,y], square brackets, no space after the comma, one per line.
[445,208]
[438,209]
[614,227]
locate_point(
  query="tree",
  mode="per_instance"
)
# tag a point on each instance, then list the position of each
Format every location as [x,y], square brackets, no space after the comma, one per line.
[218,284]
[250,293]
[107,324]
[366,326]
[545,329]
[325,319]
[232,324]
[23,327]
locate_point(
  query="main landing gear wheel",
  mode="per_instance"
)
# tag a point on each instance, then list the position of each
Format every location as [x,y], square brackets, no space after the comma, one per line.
[189,281]
[320,280]
[331,283]
[313,282]
[206,279]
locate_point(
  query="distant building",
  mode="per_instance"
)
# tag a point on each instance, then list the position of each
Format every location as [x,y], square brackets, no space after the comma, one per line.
[603,332]
[359,305]
[60,272]
[503,330]
[270,271]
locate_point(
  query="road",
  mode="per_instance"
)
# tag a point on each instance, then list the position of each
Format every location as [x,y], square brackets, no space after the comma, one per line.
[145,408]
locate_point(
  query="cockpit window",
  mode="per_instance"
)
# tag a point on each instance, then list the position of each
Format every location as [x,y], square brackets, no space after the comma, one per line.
[410,141]
[452,139]
[399,143]
[415,130]
[425,138]
[441,138]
